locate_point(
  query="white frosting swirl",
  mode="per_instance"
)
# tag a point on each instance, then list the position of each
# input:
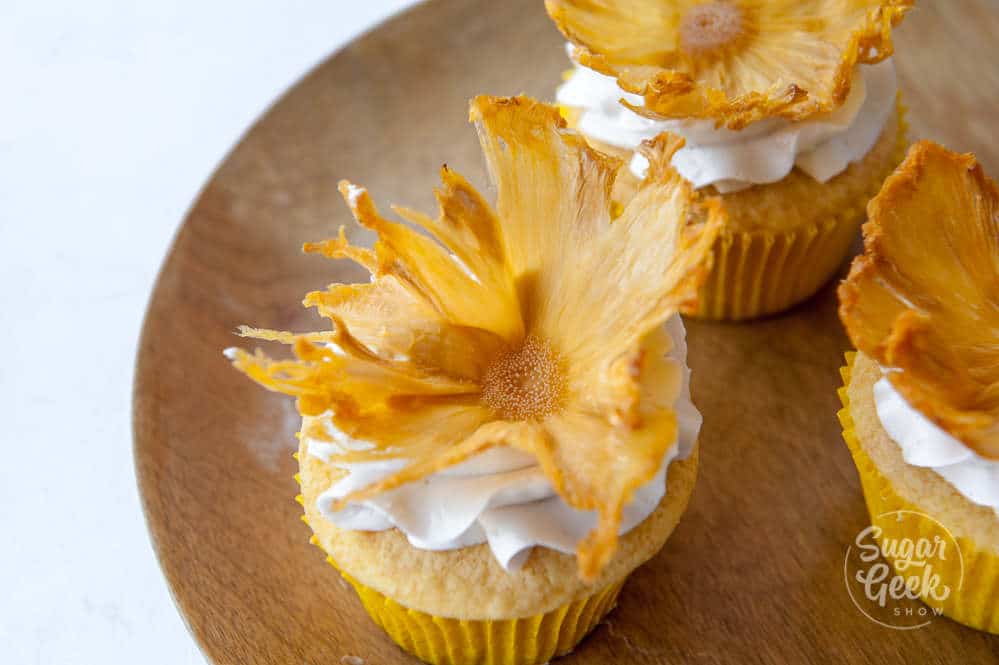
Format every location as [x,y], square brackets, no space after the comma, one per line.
[763,152]
[499,496]
[924,444]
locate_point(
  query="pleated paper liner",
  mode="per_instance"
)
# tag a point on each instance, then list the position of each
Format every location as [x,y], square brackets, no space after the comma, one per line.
[757,273]
[447,641]
[976,602]
[523,641]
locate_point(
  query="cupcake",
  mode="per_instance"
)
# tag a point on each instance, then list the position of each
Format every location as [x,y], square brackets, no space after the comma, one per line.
[790,113]
[921,396]
[497,430]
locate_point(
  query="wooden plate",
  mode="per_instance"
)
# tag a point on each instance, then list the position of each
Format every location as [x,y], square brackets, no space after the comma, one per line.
[753,573]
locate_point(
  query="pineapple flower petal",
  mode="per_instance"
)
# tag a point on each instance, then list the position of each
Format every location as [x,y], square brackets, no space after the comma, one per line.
[537,326]
[924,295]
[734,61]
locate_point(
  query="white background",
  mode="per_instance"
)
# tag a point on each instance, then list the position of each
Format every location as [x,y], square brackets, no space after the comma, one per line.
[112,114]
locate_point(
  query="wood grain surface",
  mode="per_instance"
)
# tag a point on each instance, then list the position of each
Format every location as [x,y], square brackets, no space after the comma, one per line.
[753,574]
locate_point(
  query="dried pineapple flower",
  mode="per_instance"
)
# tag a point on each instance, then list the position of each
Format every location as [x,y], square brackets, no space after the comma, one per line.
[535,326]
[736,61]
[924,295]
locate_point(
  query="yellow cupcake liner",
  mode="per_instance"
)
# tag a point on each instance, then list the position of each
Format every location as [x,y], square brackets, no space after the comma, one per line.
[524,641]
[761,272]
[756,273]
[976,602]
[447,641]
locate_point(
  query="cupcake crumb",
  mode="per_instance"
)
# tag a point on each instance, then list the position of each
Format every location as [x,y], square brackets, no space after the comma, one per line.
[352,660]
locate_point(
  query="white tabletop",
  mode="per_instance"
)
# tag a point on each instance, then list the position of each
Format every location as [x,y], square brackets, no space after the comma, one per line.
[112,114]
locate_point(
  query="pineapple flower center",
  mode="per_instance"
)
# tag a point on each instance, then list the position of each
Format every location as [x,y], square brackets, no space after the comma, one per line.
[710,26]
[525,383]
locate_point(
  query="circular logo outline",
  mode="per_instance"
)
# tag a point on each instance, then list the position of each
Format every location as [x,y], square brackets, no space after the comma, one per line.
[934,613]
